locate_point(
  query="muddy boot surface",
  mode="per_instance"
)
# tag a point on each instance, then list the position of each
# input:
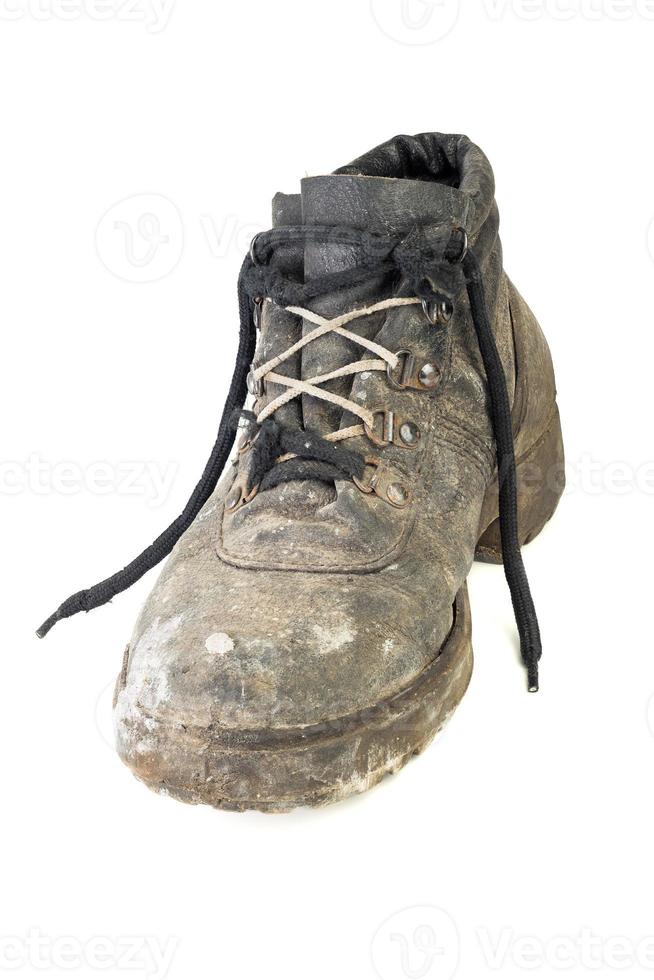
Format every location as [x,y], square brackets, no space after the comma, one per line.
[310,630]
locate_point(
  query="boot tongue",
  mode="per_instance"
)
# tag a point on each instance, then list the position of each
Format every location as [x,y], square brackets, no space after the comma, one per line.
[376,204]
[380,204]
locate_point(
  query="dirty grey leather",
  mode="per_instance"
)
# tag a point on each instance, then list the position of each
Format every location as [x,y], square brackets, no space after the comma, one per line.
[315,600]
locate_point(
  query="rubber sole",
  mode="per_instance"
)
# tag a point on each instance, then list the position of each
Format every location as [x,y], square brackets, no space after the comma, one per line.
[276,770]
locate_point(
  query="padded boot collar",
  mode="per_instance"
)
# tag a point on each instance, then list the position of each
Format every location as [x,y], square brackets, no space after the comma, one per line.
[448,160]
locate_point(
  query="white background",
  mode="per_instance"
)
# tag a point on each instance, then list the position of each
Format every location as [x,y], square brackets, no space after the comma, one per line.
[531,817]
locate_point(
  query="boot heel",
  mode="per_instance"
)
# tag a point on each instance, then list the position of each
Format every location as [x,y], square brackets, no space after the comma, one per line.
[541,479]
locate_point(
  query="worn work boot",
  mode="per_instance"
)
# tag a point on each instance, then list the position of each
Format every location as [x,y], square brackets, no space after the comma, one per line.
[311,629]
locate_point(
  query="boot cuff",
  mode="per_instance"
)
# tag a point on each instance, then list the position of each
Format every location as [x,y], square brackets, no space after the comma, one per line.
[450,160]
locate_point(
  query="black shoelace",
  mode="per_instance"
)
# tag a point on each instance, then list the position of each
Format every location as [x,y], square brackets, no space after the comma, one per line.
[432,264]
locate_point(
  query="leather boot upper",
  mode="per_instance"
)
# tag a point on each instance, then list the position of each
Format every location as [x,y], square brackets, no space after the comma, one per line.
[315,599]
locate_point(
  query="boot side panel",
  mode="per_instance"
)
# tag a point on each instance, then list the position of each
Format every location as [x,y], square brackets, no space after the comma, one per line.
[535,387]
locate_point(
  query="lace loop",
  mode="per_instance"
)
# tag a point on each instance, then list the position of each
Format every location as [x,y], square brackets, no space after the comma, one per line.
[386,360]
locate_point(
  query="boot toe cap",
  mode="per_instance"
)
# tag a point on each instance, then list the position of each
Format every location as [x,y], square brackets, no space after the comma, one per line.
[261,653]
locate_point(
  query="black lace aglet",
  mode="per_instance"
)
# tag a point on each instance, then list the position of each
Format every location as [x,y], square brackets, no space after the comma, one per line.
[530,650]
[79,602]
[530,657]
[46,626]
[60,613]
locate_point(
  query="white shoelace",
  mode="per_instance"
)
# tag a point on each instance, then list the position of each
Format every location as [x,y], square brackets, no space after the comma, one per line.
[384,360]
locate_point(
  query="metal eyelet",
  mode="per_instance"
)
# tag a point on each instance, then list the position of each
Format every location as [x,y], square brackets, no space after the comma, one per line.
[387,427]
[254,385]
[385,483]
[408,368]
[428,375]
[409,434]
[398,494]
[239,495]
[464,247]
[253,249]
[398,432]
[257,312]
[437,311]
[368,487]
[419,378]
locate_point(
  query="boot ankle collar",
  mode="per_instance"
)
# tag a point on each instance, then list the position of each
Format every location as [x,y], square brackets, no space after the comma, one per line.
[447,160]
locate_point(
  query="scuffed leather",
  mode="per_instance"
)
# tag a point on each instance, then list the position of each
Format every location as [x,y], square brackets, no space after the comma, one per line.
[450,160]
[313,601]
